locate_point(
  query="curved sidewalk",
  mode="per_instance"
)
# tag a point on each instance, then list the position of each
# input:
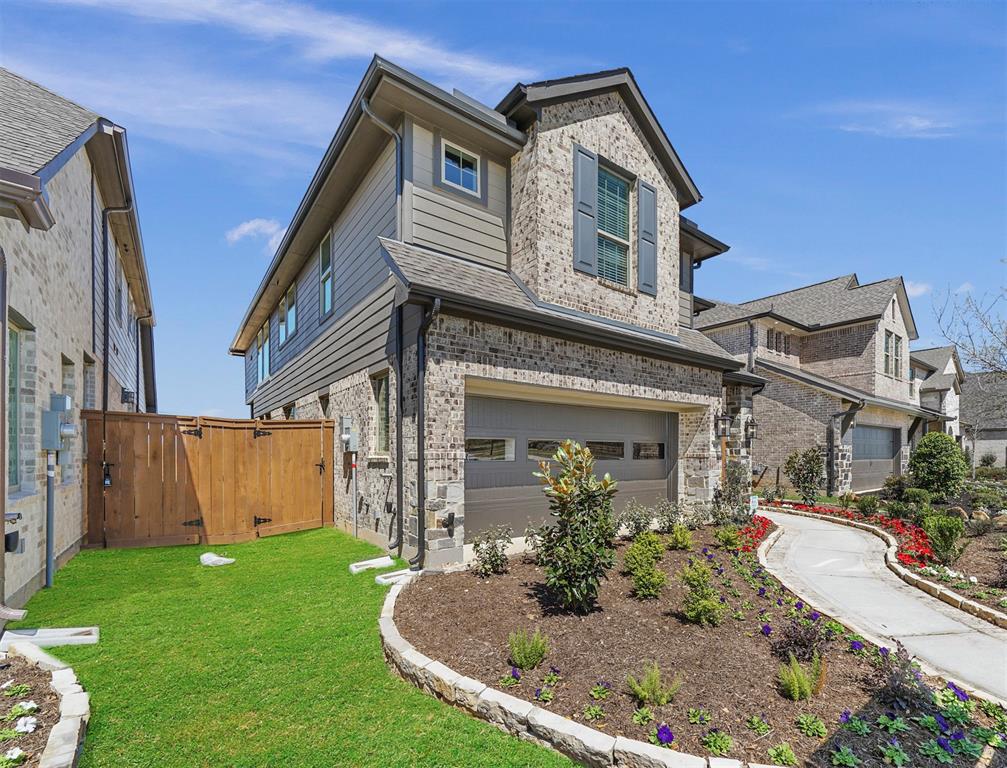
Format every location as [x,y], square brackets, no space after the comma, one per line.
[842,571]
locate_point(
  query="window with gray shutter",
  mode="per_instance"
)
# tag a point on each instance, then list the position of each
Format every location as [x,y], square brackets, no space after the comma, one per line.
[647,239]
[585,210]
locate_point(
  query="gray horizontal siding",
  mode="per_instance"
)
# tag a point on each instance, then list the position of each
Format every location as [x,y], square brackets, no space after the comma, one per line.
[685,309]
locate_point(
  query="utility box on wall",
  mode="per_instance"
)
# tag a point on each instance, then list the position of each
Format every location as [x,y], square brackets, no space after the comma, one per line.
[56,425]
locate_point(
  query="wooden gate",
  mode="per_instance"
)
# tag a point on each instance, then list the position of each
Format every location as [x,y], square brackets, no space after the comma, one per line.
[182,480]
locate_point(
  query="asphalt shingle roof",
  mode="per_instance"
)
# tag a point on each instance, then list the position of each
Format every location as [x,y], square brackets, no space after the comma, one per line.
[35,123]
[833,302]
[423,268]
[938,359]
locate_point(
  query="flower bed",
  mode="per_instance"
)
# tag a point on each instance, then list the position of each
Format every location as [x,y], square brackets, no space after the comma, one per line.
[729,702]
[29,708]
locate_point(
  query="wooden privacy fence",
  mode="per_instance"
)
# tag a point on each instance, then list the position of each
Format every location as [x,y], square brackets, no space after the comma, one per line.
[157,480]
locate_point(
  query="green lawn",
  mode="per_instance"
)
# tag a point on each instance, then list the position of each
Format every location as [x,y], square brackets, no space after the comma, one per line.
[272,661]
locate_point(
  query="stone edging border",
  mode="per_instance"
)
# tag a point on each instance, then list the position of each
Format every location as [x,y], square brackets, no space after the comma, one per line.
[66,738]
[522,718]
[943,594]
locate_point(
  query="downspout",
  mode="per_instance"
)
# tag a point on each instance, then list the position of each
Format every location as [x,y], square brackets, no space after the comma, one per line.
[365,107]
[136,338]
[396,544]
[751,346]
[841,416]
[421,469]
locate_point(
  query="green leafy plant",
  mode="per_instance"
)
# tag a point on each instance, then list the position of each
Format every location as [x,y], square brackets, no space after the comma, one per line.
[527,651]
[551,677]
[782,754]
[511,679]
[680,538]
[892,725]
[17,690]
[600,691]
[929,722]
[6,734]
[844,756]
[893,754]
[648,582]
[799,683]
[868,505]
[854,724]
[935,751]
[593,712]
[969,748]
[938,465]
[918,497]
[698,716]
[717,742]
[757,725]
[810,725]
[650,689]
[635,518]
[544,694]
[702,602]
[728,536]
[21,709]
[846,500]
[945,533]
[577,550]
[643,716]
[806,472]
[988,459]
[13,759]
[490,548]
[645,550]
[730,504]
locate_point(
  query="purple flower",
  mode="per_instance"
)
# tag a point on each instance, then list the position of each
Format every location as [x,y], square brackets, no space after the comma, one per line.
[945,745]
[554,670]
[958,735]
[538,692]
[706,550]
[845,717]
[709,558]
[799,605]
[815,616]
[942,722]
[884,651]
[767,630]
[720,570]
[605,684]
[762,591]
[959,693]
[856,646]
[515,673]
[779,601]
[893,741]
[664,734]
[723,599]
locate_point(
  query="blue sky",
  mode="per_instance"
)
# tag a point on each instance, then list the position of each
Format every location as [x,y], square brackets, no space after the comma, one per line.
[825,139]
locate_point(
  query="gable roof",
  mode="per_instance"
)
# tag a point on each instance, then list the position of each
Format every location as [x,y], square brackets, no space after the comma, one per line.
[523,99]
[984,401]
[937,359]
[36,124]
[840,301]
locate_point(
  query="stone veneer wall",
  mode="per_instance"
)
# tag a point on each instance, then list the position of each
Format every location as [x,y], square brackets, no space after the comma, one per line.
[542,212]
[739,404]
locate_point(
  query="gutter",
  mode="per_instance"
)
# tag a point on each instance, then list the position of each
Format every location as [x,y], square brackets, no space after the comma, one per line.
[396,544]
[25,193]
[416,562]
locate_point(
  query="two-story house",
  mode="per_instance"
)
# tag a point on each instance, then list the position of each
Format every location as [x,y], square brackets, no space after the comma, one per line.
[463,287]
[837,361]
[75,302]
[938,373]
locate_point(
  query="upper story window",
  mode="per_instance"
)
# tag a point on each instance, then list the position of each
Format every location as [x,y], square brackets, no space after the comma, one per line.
[898,357]
[888,351]
[770,338]
[325,276]
[262,352]
[13,406]
[613,227]
[685,272]
[288,313]
[460,168]
[118,294]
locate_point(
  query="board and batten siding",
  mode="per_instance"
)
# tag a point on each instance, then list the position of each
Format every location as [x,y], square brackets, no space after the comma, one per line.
[323,350]
[451,222]
[685,309]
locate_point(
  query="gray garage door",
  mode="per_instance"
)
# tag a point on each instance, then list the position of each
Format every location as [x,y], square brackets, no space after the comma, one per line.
[874,452]
[505,439]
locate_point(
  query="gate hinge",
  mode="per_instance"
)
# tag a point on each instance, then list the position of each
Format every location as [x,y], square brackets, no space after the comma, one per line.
[197,431]
[261,433]
[257,521]
[196,523]
[321,467]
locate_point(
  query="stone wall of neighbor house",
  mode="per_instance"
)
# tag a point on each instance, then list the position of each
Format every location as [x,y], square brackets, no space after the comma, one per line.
[989,441]
[542,212]
[459,348]
[846,355]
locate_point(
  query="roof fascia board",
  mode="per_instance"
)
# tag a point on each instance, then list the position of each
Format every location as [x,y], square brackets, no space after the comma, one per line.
[692,230]
[24,195]
[789,321]
[50,169]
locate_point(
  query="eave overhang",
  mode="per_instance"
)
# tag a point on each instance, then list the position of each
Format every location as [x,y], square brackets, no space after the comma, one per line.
[702,245]
[23,197]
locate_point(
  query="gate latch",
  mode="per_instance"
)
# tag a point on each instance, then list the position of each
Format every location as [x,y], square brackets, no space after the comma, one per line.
[261,433]
[195,523]
[257,521]
[321,467]
[196,431]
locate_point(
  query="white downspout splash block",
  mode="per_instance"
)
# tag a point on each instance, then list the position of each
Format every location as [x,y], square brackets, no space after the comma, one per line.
[50,638]
[395,577]
[377,562]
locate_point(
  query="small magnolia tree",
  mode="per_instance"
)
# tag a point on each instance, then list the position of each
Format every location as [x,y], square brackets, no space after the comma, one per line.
[806,472]
[578,549]
[938,465]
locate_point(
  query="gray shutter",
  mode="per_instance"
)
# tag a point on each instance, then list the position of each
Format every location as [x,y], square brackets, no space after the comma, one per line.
[647,238]
[585,210]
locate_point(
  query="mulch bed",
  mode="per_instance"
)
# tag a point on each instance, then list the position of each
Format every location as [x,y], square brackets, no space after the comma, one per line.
[729,670]
[22,673]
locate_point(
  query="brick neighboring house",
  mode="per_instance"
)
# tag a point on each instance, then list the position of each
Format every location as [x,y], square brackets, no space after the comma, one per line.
[984,416]
[938,373]
[836,357]
[67,242]
[466,286]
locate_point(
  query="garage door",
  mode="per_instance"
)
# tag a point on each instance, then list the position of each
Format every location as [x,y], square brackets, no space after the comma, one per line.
[505,440]
[874,456]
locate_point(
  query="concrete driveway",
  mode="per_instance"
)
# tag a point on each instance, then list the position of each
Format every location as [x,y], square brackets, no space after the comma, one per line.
[841,571]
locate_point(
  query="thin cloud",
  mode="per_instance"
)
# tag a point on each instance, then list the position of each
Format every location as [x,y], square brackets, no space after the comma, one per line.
[965,287]
[761,264]
[256,229]
[893,119]
[915,289]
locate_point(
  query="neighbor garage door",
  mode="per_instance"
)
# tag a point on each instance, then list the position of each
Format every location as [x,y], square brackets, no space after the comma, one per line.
[874,452]
[505,440]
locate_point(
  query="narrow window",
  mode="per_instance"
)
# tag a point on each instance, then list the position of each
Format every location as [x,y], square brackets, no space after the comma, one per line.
[118,294]
[381,402]
[262,345]
[13,406]
[489,449]
[786,345]
[613,227]
[607,450]
[770,341]
[898,357]
[325,276]
[460,168]
[685,274]
[288,313]
[888,352]
[779,341]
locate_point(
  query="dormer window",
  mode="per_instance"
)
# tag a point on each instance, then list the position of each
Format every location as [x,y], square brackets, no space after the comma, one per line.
[613,227]
[460,169]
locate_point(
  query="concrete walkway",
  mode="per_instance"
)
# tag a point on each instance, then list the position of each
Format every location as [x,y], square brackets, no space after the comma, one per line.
[841,571]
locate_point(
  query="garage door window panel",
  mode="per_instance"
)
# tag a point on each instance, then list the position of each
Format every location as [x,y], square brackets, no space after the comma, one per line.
[489,449]
[607,450]
[648,451]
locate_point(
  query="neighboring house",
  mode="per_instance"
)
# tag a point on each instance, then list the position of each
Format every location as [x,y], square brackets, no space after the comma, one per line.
[68,242]
[463,287]
[938,373]
[984,416]
[836,357]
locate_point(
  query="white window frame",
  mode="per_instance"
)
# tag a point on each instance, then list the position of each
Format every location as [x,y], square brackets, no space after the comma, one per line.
[898,356]
[629,218]
[325,249]
[262,362]
[888,352]
[287,302]
[445,144]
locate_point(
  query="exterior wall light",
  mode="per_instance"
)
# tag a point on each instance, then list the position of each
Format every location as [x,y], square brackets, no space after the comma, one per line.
[724,426]
[751,430]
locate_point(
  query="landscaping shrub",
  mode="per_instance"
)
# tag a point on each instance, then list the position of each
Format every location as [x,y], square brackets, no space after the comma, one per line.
[988,460]
[728,536]
[991,473]
[895,487]
[799,683]
[802,638]
[945,533]
[668,514]
[847,500]
[646,550]
[490,548]
[988,498]
[650,690]
[806,472]
[680,537]
[867,505]
[577,550]
[635,518]
[938,465]
[898,680]
[527,651]
[900,510]
[782,754]
[648,582]
[702,602]
[919,497]
[730,503]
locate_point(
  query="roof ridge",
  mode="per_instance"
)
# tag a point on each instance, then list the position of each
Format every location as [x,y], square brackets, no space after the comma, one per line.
[795,290]
[51,92]
[879,282]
